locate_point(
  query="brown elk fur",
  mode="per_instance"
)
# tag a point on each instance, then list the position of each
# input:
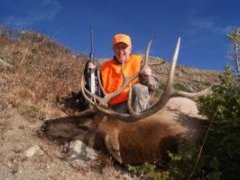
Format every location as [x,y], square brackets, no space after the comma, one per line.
[145,140]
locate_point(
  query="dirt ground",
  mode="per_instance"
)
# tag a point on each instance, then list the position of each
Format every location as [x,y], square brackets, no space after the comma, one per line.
[26,155]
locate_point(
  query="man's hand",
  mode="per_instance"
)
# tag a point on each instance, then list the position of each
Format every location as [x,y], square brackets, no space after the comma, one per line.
[147,78]
[91,65]
[146,71]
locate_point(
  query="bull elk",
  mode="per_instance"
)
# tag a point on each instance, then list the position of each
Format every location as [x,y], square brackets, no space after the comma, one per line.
[131,138]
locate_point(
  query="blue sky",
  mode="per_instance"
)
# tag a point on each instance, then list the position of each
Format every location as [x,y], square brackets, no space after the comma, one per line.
[201,24]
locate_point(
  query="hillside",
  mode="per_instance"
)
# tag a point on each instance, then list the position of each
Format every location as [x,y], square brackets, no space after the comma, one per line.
[40,79]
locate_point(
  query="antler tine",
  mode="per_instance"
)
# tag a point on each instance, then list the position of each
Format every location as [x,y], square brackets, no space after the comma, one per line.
[146,57]
[126,82]
[173,66]
[191,95]
[122,72]
[84,90]
[144,64]
[123,116]
[100,83]
[129,104]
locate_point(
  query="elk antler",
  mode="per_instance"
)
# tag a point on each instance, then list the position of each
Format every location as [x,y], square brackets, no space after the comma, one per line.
[101,103]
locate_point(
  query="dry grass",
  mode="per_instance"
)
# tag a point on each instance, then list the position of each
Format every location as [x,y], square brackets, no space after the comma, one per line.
[42,71]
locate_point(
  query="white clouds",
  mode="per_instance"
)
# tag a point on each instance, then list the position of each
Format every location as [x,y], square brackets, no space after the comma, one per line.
[47,10]
[34,11]
[208,21]
[208,24]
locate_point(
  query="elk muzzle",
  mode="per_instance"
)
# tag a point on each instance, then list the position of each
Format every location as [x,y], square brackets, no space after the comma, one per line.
[67,127]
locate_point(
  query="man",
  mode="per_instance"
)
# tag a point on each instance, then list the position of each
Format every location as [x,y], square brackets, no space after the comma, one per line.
[112,78]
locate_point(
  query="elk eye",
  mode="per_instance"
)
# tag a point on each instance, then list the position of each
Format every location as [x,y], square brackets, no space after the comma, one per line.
[84,128]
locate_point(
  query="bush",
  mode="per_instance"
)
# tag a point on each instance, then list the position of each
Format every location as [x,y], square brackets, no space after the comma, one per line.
[221,155]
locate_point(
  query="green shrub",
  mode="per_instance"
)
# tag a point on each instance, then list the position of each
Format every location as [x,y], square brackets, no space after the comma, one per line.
[148,171]
[221,154]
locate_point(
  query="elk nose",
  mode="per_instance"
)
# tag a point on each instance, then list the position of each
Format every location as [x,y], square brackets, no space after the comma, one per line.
[44,126]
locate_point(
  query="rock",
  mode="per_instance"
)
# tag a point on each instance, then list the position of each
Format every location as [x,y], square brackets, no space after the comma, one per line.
[78,150]
[31,151]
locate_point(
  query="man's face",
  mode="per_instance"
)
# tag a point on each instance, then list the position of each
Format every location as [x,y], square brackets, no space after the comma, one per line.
[122,51]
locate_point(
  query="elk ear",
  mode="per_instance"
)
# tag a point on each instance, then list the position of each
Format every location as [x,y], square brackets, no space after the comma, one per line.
[113,147]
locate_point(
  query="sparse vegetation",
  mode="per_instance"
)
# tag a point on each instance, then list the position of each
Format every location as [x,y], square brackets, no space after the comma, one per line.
[41,71]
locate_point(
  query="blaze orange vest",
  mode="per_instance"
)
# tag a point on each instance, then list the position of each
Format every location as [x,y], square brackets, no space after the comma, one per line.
[112,78]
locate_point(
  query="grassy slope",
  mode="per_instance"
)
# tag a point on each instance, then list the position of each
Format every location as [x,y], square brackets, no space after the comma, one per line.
[43,71]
